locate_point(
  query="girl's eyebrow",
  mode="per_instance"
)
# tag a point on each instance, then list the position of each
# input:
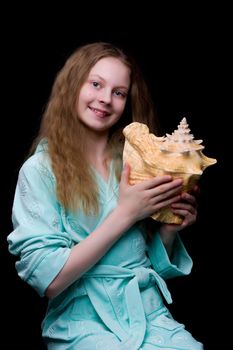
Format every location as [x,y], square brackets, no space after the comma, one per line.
[95,75]
[99,77]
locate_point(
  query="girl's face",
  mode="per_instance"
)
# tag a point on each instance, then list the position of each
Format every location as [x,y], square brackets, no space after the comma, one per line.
[103,96]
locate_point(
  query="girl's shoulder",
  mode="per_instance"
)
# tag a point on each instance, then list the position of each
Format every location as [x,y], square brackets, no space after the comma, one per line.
[39,162]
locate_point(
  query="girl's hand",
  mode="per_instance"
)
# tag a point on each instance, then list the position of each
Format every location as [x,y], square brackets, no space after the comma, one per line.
[187,208]
[143,199]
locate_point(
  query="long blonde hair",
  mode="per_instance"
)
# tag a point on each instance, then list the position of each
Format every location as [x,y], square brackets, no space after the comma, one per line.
[66,136]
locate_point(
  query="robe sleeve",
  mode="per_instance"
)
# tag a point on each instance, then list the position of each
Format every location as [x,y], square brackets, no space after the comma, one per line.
[38,238]
[180,263]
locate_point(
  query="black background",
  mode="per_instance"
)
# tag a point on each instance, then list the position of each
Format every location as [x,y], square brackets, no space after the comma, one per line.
[185,56]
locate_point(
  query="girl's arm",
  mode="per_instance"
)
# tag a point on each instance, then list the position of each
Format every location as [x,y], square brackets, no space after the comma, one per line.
[187,208]
[135,203]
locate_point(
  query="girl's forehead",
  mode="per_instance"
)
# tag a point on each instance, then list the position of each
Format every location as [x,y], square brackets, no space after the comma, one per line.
[111,69]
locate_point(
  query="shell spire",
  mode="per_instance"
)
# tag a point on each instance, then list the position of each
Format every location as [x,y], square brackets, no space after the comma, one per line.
[176,154]
[181,140]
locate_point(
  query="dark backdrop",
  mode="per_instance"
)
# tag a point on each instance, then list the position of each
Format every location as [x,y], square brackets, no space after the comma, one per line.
[185,59]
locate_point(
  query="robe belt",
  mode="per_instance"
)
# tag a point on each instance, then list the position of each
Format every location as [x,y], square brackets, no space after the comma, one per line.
[143,275]
[102,299]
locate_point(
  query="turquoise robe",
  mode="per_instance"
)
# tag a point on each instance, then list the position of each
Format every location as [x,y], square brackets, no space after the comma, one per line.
[117,304]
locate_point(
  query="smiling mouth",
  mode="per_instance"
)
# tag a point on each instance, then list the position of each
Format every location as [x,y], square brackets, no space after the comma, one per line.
[99,112]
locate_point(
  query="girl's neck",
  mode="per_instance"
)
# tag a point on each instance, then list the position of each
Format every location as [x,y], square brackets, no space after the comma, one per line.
[99,159]
[97,151]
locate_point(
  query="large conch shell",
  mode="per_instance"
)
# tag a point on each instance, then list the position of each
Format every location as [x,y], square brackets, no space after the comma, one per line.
[177,154]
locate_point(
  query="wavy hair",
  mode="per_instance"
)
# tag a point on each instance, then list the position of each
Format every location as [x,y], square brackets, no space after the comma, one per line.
[66,135]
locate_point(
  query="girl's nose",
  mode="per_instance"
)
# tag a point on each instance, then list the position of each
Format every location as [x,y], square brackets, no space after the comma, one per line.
[105,96]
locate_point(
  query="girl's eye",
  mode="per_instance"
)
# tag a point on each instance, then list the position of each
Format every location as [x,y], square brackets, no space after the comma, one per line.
[96,84]
[119,93]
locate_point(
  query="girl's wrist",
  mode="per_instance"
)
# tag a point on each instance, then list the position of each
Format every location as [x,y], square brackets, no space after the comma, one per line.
[167,236]
[123,218]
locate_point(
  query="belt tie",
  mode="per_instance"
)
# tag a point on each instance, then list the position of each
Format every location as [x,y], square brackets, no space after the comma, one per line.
[138,278]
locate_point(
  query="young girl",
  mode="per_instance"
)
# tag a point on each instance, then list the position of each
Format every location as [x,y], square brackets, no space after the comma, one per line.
[79,227]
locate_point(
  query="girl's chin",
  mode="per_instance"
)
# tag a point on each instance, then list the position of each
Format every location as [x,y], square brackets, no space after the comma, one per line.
[98,128]
[101,124]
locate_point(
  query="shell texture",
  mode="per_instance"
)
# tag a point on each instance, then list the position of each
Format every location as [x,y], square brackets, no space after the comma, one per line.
[178,155]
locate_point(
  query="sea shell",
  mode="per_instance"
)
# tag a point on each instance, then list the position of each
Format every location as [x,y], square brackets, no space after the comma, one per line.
[177,154]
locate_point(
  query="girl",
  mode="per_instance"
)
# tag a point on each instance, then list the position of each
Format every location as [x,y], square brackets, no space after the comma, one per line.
[79,227]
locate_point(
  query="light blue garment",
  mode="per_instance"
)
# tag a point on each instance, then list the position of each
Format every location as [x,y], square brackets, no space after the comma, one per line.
[118,304]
